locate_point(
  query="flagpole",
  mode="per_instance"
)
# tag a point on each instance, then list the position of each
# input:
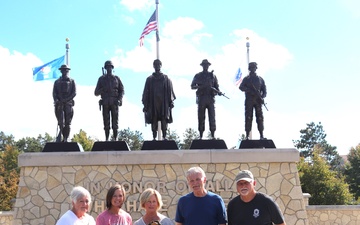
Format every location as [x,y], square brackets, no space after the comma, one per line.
[248,61]
[67,47]
[158,57]
[248,46]
[157,30]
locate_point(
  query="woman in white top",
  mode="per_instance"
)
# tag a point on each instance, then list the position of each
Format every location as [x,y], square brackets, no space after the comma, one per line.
[80,200]
[151,201]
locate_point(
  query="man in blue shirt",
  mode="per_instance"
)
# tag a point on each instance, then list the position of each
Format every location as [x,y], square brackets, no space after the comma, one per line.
[200,206]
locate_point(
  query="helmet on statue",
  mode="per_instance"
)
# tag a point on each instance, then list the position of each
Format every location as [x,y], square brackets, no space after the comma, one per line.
[108,63]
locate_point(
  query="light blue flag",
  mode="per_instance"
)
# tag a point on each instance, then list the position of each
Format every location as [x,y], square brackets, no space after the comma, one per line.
[49,70]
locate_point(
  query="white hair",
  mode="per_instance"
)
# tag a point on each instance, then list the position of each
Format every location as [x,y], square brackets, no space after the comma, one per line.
[195,170]
[79,192]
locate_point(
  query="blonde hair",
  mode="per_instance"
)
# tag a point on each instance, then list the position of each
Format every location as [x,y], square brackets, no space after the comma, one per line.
[145,196]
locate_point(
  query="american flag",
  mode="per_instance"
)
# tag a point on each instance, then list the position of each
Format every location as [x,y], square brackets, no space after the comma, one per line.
[238,77]
[150,26]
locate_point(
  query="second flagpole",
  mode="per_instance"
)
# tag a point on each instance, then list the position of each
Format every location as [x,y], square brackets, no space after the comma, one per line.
[157,30]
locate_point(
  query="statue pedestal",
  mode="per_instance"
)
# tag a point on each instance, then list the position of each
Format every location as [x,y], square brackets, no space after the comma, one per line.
[62,147]
[160,145]
[208,144]
[267,143]
[110,146]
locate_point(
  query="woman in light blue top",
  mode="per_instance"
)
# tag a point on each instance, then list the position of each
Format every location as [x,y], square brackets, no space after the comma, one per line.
[151,201]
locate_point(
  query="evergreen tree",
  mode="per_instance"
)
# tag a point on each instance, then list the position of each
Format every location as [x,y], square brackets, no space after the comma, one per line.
[133,138]
[314,135]
[31,144]
[352,171]
[189,135]
[172,135]
[323,184]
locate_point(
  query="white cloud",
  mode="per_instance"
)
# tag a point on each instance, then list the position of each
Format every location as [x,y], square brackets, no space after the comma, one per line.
[353,6]
[179,28]
[136,4]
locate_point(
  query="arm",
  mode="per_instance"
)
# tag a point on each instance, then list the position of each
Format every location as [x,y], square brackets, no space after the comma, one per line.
[98,89]
[263,89]
[120,90]
[146,95]
[176,223]
[194,84]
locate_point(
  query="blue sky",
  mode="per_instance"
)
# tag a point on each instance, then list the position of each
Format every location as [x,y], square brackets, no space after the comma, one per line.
[307,52]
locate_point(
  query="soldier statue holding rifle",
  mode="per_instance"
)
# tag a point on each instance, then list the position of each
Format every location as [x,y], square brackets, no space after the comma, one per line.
[64,92]
[111,90]
[255,92]
[207,87]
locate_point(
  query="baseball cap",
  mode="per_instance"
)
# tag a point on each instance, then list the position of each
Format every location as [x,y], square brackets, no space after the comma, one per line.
[244,175]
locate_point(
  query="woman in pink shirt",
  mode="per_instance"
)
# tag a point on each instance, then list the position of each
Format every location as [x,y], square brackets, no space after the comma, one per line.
[114,215]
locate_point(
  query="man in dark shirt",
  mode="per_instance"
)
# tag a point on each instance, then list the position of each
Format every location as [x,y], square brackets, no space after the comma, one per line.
[251,207]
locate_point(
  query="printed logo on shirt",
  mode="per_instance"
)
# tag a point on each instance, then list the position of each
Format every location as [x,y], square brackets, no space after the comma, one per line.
[256,213]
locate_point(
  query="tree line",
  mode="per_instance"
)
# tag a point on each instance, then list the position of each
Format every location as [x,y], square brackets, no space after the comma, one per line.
[324,174]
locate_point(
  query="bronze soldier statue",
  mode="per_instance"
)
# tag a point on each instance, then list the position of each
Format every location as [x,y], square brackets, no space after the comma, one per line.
[64,92]
[255,92]
[158,100]
[111,90]
[207,87]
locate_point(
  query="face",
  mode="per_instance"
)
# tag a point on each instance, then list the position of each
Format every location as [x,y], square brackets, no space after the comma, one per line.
[81,206]
[64,72]
[117,199]
[108,68]
[152,204]
[205,66]
[196,182]
[244,187]
[157,65]
[252,67]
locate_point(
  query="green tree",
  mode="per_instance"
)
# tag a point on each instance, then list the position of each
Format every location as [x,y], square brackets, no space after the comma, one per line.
[31,144]
[189,135]
[321,183]
[134,139]
[314,135]
[172,135]
[352,171]
[85,141]
[9,176]
[5,140]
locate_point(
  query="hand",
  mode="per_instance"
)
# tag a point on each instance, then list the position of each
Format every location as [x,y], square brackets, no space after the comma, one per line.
[171,105]
[144,109]
[119,102]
